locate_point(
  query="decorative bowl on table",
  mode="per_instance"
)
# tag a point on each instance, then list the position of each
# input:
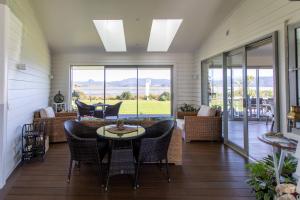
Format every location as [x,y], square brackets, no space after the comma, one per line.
[121,130]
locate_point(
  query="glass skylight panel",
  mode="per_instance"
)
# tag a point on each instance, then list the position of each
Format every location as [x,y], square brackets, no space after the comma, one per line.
[112,34]
[162,34]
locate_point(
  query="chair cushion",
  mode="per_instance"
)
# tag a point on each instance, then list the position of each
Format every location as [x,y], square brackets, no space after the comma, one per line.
[47,112]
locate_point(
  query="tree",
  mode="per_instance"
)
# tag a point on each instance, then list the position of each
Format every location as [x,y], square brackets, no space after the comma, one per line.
[165,96]
[125,96]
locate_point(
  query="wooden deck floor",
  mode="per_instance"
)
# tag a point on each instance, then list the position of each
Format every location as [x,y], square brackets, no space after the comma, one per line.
[211,171]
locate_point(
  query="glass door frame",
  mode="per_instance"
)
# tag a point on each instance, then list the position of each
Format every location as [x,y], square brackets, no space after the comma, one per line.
[243,150]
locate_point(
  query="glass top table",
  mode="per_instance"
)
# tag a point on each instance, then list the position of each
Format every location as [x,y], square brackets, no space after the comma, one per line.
[104,133]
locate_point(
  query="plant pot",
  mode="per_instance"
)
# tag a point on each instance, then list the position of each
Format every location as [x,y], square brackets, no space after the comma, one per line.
[180,114]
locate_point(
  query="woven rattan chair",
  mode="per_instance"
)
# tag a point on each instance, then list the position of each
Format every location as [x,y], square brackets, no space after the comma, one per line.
[84,109]
[113,110]
[154,146]
[203,128]
[84,146]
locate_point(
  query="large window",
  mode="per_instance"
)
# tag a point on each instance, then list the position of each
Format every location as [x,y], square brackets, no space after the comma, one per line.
[144,91]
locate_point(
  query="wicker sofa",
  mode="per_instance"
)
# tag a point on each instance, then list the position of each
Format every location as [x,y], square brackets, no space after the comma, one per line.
[55,125]
[175,148]
[201,128]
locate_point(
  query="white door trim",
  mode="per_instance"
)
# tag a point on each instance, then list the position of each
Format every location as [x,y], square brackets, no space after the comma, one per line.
[4,17]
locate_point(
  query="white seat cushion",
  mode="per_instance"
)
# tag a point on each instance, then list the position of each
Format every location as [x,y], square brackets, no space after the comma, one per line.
[47,112]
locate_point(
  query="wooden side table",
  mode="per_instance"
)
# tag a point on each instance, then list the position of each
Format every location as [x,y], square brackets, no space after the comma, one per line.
[285,145]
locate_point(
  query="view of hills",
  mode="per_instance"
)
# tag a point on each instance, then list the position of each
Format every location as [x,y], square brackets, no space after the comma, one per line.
[130,82]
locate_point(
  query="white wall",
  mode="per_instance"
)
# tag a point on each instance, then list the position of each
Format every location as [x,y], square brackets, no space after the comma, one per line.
[250,20]
[27,90]
[184,68]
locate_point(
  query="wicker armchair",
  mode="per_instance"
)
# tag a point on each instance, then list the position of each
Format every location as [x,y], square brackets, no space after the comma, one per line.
[154,146]
[113,110]
[83,146]
[84,109]
[55,126]
[203,128]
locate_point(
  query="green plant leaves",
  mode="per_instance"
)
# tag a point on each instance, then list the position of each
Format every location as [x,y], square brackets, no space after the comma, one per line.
[262,176]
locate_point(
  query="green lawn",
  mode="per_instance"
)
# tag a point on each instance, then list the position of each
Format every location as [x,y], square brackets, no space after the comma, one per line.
[145,107]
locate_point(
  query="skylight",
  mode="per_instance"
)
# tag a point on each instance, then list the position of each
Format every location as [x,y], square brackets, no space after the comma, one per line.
[162,34]
[112,34]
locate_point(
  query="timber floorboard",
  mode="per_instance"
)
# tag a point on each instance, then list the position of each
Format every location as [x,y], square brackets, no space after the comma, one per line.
[210,171]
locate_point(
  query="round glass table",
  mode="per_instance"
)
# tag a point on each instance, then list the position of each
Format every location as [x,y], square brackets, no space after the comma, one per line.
[120,158]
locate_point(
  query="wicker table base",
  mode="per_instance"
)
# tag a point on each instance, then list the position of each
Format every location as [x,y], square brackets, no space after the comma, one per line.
[121,160]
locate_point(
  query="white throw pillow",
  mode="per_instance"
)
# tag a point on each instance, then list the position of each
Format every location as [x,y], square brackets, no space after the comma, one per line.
[204,111]
[47,112]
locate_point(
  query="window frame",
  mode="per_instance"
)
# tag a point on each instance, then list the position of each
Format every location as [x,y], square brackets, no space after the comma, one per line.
[137,67]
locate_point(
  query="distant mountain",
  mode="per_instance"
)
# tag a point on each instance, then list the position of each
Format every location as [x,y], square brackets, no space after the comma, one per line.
[263,82]
[130,82]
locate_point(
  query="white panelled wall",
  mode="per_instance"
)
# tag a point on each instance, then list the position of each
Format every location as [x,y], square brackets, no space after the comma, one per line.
[185,87]
[251,20]
[27,90]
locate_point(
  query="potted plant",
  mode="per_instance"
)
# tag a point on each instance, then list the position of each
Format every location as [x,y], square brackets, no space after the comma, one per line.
[187,110]
[262,176]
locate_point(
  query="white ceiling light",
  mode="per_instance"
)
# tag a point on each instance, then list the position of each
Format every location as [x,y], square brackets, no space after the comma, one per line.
[162,34]
[112,34]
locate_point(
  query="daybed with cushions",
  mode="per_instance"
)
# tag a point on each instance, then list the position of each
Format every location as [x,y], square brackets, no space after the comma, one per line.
[206,125]
[175,148]
[54,123]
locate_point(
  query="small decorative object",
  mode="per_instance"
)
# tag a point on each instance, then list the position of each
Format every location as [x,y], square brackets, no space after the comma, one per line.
[285,189]
[121,129]
[294,115]
[287,197]
[120,125]
[286,192]
[59,98]
[59,107]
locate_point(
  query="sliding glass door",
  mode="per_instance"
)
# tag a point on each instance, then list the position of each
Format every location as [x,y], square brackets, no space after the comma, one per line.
[247,80]
[236,104]
[261,96]
[145,91]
